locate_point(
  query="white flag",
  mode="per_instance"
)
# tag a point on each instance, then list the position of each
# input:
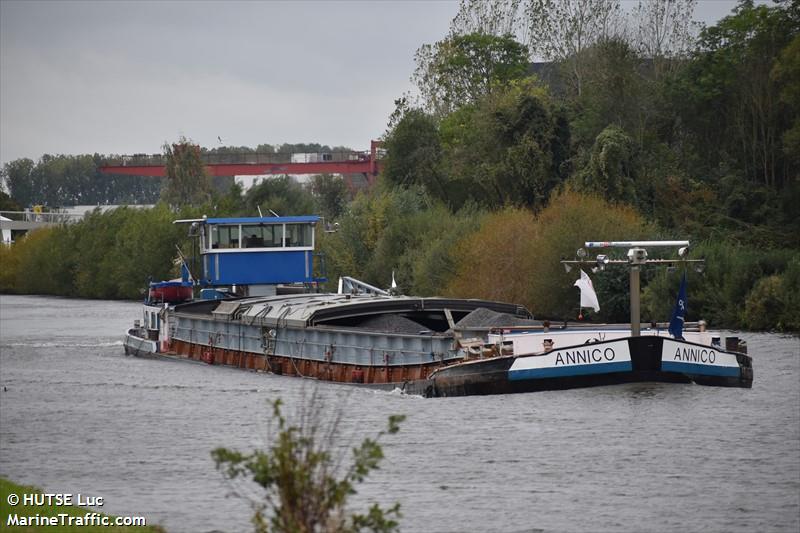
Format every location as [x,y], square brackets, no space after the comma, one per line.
[588,296]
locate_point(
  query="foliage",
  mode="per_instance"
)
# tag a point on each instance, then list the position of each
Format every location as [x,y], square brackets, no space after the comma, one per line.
[414,152]
[737,284]
[462,69]
[404,231]
[786,73]
[64,180]
[515,256]
[303,487]
[8,204]
[106,255]
[617,91]
[188,181]
[493,17]
[498,251]
[610,172]
[330,195]
[728,98]
[664,31]
[506,150]
[281,194]
[561,30]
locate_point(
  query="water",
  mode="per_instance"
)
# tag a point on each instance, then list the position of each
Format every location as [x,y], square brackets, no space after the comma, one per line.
[77,416]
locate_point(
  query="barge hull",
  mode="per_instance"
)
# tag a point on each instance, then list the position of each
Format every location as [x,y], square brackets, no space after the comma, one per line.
[645,362]
[648,361]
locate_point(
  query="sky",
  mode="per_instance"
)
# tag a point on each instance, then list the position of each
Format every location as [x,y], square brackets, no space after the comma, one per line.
[117,77]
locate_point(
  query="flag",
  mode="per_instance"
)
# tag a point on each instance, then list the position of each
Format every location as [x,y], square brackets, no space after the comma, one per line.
[588,296]
[679,313]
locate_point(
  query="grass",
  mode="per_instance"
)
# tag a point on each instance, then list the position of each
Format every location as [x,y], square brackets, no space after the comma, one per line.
[23,511]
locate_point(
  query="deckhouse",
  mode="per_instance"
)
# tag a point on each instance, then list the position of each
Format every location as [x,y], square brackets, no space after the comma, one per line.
[259,253]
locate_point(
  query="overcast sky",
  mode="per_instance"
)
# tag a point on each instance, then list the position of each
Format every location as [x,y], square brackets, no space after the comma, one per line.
[124,77]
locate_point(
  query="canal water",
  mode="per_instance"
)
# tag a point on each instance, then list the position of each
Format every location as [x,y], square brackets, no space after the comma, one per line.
[78,416]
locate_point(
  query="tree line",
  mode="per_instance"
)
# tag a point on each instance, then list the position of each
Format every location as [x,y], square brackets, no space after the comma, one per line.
[66,180]
[498,167]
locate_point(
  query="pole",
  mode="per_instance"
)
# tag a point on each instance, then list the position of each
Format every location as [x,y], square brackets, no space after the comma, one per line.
[636,321]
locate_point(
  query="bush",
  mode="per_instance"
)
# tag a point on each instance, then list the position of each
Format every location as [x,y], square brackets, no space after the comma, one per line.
[515,256]
[303,491]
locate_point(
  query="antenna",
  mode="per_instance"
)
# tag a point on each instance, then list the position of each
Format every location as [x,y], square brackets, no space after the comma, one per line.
[259,211]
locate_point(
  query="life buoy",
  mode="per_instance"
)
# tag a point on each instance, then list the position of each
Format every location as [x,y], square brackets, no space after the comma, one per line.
[208,357]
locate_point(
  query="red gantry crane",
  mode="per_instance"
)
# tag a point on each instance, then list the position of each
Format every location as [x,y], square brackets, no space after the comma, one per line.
[255,164]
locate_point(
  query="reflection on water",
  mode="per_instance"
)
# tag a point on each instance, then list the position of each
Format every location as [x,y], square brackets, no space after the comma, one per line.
[77,415]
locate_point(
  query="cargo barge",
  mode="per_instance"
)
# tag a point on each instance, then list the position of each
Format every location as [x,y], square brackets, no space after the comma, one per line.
[259,309]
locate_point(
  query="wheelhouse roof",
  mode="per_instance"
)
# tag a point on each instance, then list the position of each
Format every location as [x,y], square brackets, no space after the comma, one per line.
[307,219]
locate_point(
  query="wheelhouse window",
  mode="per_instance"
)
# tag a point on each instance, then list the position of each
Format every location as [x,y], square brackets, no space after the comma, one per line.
[224,236]
[299,235]
[230,236]
[262,235]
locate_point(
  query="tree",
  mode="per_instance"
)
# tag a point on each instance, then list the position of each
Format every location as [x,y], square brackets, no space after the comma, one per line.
[611,169]
[280,194]
[492,17]
[729,101]
[664,30]
[18,179]
[7,203]
[617,90]
[461,69]
[303,491]
[502,150]
[188,181]
[561,30]
[413,153]
[331,195]
[786,73]
[515,256]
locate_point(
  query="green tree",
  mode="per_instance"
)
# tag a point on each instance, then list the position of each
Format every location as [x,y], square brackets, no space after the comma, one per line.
[413,153]
[330,195]
[786,73]
[18,179]
[506,149]
[8,204]
[188,181]
[303,491]
[729,101]
[281,194]
[461,69]
[611,168]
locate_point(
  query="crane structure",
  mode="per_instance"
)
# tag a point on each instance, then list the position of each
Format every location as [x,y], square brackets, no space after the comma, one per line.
[256,164]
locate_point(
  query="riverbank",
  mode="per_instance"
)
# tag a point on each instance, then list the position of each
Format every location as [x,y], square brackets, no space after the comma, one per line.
[57,518]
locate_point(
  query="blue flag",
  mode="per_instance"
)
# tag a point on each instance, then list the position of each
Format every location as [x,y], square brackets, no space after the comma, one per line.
[679,313]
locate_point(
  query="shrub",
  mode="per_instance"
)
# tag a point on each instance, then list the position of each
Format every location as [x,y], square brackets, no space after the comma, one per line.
[302,490]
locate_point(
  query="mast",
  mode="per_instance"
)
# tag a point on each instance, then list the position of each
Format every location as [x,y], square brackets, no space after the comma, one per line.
[637,257]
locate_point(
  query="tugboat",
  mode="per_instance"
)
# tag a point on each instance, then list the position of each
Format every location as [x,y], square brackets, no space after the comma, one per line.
[259,308]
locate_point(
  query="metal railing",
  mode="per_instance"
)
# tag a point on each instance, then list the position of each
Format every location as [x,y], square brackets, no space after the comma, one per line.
[46,217]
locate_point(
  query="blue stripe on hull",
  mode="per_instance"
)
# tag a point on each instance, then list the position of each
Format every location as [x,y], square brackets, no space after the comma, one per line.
[699,369]
[572,370]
